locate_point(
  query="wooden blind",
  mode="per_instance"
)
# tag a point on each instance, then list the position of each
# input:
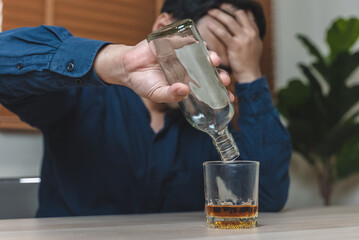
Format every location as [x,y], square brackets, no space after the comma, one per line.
[21,13]
[267,60]
[0,15]
[118,21]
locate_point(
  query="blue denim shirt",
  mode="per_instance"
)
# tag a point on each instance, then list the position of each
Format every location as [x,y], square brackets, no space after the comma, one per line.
[101,155]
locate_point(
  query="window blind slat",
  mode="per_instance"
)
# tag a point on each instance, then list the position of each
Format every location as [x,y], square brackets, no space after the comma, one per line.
[22,13]
[121,21]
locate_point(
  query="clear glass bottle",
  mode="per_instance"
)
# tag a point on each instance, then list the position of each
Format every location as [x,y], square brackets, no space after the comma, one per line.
[184,58]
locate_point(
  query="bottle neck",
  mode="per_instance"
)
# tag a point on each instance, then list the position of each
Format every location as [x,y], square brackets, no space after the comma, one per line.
[226,146]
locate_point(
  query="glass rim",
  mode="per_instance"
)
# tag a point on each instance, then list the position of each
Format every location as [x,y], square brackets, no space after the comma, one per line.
[170,29]
[236,162]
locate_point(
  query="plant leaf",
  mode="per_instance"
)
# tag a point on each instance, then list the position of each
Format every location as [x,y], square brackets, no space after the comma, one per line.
[294,95]
[315,119]
[316,89]
[320,63]
[304,135]
[334,140]
[295,102]
[311,48]
[342,67]
[347,162]
[351,98]
[324,70]
[341,98]
[342,35]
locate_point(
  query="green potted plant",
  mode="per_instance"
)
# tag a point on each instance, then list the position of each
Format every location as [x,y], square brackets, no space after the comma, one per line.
[322,111]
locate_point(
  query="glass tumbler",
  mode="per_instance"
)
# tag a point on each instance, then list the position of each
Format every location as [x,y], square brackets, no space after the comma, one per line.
[184,58]
[231,193]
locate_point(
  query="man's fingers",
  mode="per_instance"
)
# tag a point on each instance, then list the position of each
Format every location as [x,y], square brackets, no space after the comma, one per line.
[231,96]
[217,46]
[214,58]
[229,8]
[178,91]
[224,77]
[227,20]
[174,93]
[253,21]
[219,30]
[245,21]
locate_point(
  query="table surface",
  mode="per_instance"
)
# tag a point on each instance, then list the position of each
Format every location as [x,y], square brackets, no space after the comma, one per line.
[317,223]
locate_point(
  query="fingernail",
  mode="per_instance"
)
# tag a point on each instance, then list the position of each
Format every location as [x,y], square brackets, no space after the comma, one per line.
[181,92]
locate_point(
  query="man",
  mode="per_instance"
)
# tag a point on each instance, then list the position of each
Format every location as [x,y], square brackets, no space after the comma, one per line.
[109,151]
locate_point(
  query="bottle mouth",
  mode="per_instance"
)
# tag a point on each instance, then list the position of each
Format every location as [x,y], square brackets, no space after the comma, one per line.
[235,162]
[170,29]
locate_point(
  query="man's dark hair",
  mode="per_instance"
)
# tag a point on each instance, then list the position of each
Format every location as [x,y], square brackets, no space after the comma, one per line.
[195,9]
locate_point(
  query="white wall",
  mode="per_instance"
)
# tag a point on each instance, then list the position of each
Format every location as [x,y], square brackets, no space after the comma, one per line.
[20,154]
[312,18]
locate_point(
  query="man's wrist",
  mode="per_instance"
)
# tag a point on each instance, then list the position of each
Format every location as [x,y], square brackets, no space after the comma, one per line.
[109,64]
[247,77]
[254,98]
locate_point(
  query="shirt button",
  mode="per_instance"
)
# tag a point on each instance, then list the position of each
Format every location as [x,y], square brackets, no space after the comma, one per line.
[255,97]
[70,66]
[19,66]
[78,81]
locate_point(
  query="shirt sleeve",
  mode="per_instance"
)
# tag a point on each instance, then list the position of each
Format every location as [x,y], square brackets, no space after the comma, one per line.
[37,60]
[263,138]
[41,69]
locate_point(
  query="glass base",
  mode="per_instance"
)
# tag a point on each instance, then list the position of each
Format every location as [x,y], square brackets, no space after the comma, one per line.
[231,223]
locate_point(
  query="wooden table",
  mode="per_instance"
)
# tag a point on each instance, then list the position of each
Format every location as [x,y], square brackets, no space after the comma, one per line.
[321,223]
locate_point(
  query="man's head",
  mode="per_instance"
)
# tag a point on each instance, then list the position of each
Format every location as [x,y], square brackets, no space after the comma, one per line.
[196,9]
[231,28]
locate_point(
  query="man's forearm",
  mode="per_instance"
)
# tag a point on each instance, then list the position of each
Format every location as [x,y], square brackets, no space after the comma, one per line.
[40,59]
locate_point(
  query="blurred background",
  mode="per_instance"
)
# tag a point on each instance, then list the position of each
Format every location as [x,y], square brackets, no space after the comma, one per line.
[128,22]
